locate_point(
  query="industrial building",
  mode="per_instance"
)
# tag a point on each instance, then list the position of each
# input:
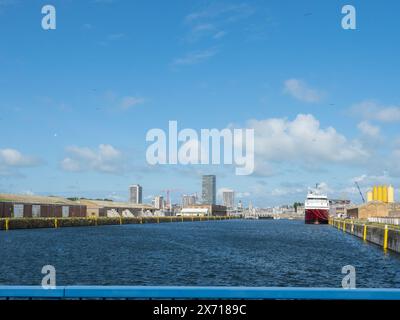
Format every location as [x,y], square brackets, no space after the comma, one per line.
[205,209]
[338,207]
[374,209]
[199,212]
[380,203]
[102,208]
[26,206]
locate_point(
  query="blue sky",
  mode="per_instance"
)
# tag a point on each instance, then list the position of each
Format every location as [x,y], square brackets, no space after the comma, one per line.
[76,102]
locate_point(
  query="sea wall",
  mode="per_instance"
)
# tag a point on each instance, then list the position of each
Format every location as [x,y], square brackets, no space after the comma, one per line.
[32,223]
[386,236]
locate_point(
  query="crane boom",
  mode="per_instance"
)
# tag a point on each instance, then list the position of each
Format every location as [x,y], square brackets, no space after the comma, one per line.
[359,190]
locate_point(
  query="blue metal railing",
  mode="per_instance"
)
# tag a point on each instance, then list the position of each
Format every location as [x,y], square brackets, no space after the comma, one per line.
[149,292]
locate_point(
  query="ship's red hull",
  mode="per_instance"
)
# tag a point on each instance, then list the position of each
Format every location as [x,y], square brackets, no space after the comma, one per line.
[316,216]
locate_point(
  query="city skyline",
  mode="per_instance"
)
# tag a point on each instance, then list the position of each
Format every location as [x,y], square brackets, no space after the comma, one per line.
[78,101]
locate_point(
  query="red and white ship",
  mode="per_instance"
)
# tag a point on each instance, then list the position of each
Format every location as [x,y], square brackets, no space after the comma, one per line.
[316,207]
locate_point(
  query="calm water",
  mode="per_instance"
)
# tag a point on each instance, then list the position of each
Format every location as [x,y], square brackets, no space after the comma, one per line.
[249,253]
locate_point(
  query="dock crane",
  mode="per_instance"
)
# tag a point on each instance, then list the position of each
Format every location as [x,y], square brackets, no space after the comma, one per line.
[359,190]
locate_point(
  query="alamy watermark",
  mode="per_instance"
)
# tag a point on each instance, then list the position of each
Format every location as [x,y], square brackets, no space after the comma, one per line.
[187,147]
[349,280]
[49,280]
[349,20]
[49,20]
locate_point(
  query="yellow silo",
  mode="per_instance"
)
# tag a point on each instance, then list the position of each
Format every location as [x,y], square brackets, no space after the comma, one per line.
[380,193]
[375,193]
[385,194]
[390,194]
[370,196]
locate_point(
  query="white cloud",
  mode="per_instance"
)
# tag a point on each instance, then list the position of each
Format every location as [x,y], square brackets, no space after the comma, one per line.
[301,91]
[87,26]
[371,110]
[195,57]
[285,191]
[325,188]
[369,180]
[115,36]
[116,197]
[121,102]
[241,195]
[12,159]
[262,168]
[227,13]
[368,129]
[219,34]
[214,21]
[69,164]
[104,159]
[303,140]
[129,102]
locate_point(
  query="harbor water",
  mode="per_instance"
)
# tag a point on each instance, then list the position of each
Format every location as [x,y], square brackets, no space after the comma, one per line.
[210,253]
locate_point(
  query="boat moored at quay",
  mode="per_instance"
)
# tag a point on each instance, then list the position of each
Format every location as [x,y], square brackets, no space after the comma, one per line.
[316,207]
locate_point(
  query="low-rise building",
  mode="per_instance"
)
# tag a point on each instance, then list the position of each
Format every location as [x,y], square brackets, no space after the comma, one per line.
[212,209]
[370,209]
[32,206]
[199,212]
[103,208]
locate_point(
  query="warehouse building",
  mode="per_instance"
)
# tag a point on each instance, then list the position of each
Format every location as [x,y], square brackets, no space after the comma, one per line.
[374,209]
[103,208]
[208,209]
[26,206]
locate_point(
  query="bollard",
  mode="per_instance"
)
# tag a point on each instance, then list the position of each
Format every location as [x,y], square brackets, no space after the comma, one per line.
[55,223]
[6,222]
[365,233]
[352,227]
[385,238]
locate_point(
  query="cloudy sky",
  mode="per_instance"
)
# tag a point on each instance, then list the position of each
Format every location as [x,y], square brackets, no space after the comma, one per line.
[76,102]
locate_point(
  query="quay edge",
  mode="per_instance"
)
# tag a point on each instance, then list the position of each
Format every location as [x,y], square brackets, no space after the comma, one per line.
[34,223]
[386,236]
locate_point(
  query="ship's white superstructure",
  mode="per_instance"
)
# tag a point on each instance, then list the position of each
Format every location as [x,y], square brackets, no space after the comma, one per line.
[316,200]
